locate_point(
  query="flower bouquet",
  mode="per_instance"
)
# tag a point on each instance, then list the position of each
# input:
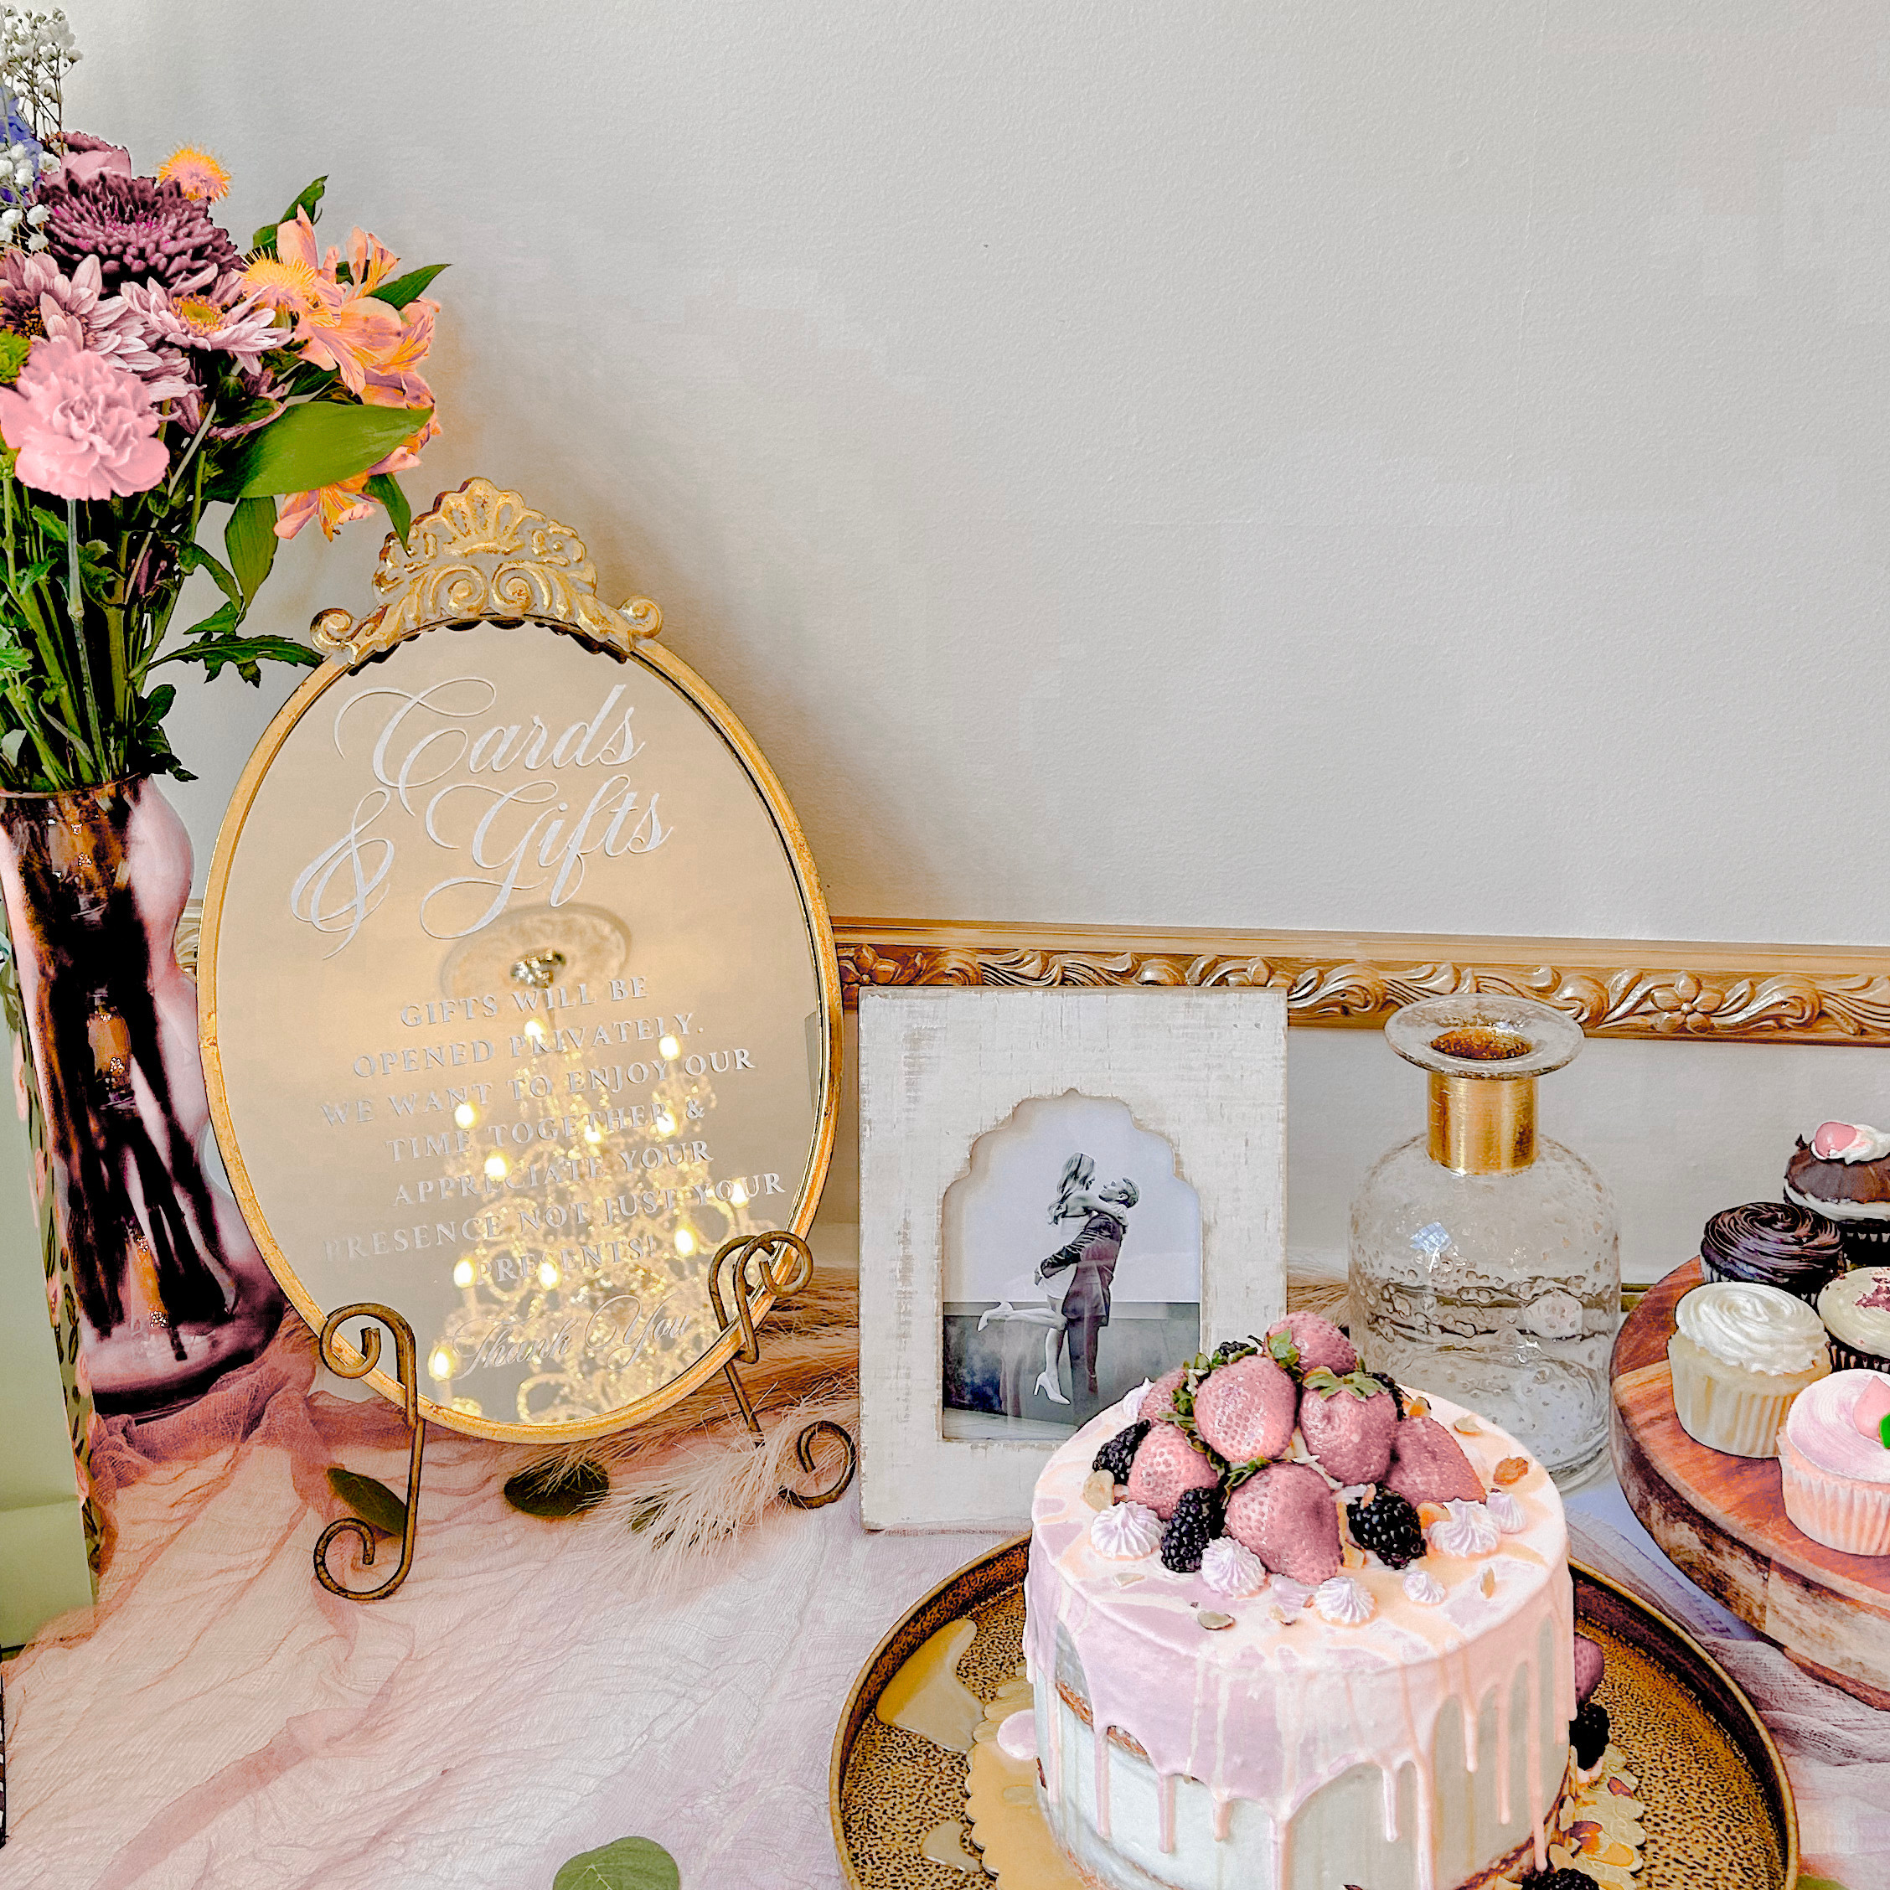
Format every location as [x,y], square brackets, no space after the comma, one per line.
[150,371]
[153,375]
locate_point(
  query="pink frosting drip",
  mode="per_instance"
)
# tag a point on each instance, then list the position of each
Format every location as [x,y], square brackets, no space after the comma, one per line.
[1271,1714]
[1835,1423]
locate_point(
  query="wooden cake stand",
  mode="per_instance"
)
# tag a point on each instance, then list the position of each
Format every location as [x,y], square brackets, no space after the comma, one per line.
[1722,1520]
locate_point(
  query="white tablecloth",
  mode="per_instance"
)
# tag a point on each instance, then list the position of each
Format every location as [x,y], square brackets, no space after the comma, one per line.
[228,1726]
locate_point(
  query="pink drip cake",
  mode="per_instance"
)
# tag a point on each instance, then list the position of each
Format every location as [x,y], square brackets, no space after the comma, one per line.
[1327,1624]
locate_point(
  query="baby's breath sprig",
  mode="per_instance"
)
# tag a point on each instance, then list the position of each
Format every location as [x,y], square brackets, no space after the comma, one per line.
[36,52]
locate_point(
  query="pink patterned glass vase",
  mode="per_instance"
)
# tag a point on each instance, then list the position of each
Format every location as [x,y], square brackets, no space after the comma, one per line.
[169,1289]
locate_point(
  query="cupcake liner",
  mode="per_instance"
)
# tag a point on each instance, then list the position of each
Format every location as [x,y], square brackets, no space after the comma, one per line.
[1866,1243]
[1851,1358]
[1841,1512]
[1808,1291]
[1721,1407]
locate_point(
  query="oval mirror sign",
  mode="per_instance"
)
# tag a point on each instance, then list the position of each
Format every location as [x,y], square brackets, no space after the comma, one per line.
[518,996]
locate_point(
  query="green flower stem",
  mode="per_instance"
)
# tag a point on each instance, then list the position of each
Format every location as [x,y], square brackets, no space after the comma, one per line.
[75,604]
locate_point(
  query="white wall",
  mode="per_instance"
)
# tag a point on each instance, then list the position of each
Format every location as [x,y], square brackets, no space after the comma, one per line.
[1298,465]
[1329,464]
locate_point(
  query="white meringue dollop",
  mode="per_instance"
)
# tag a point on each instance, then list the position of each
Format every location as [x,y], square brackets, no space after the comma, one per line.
[1288,1600]
[1421,1586]
[1124,1531]
[1017,1735]
[1506,1512]
[1343,1601]
[1468,1530]
[1231,1568]
[1131,1407]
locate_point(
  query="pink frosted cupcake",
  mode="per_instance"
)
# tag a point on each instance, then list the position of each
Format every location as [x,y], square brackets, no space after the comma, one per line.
[1834,1455]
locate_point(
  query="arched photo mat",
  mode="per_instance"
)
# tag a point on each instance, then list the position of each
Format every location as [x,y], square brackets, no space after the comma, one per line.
[482,561]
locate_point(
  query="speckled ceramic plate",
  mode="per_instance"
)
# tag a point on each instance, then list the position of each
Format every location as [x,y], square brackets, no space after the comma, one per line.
[1719,1808]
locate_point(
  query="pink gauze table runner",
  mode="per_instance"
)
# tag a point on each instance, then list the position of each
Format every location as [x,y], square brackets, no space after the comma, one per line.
[226,1725]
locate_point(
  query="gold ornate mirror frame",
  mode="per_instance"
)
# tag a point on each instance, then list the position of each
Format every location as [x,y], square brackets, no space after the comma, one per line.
[483,556]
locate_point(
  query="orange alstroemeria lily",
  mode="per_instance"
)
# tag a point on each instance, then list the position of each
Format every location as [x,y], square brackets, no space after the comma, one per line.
[340,327]
[395,383]
[331,507]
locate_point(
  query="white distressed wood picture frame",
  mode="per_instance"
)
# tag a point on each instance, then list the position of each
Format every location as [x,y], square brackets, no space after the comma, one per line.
[939,1068]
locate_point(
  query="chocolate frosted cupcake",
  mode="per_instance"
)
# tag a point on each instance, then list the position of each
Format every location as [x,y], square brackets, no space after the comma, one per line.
[1843,1173]
[1773,1243]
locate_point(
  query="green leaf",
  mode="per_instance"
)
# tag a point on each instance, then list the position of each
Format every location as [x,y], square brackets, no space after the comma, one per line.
[554,1490]
[310,200]
[321,444]
[151,748]
[632,1863]
[1238,1473]
[371,1500]
[245,655]
[250,539]
[386,488]
[31,576]
[1285,1352]
[224,617]
[407,288]
[193,557]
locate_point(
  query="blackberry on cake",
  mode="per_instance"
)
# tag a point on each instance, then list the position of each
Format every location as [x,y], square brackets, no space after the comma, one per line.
[1387,1526]
[1563,1879]
[1195,1523]
[1588,1733]
[1119,1453]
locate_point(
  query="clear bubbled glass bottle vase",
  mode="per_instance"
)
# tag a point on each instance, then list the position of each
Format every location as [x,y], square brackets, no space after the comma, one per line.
[1485,1259]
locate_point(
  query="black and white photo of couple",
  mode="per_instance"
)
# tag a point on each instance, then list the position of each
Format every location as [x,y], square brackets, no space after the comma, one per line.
[1056,1336]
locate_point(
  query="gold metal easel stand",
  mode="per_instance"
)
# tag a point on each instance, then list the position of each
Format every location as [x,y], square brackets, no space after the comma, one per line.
[776,1264]
[779,1263]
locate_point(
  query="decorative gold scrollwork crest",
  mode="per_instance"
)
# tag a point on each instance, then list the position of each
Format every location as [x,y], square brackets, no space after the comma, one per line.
[483,554]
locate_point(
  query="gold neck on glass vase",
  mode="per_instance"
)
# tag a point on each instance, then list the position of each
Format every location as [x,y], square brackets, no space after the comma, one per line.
[1483,1125]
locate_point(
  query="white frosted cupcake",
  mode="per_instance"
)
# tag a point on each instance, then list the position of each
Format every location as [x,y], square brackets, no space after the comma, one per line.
[1856,1313]
[1835,1463]
[1740,1357]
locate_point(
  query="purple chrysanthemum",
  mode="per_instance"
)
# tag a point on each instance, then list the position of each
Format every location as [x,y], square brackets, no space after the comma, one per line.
[140,231]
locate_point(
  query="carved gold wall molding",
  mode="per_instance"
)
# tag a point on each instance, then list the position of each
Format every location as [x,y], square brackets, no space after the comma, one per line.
[483,553]
[1614,987]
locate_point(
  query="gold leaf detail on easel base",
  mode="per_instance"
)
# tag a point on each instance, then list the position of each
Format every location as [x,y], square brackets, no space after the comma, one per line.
[484,555]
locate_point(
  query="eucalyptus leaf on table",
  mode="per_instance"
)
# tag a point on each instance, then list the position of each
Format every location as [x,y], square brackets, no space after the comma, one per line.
[370,1499]
[632,1863]
[553,1491]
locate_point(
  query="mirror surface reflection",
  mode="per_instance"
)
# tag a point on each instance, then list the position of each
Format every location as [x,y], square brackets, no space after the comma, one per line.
[520,1015]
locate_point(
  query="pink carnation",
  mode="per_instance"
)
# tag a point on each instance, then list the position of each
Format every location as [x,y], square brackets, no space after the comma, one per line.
[83,427]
